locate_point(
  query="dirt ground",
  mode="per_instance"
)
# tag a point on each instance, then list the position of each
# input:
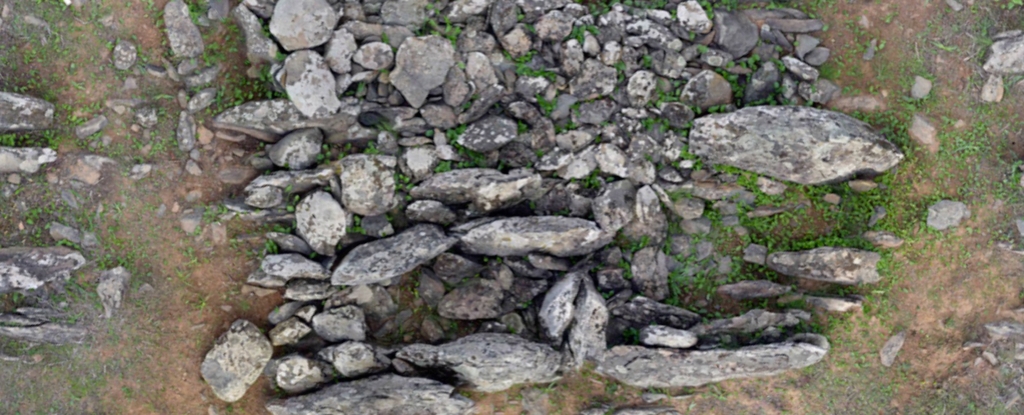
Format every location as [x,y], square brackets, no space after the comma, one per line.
[187,288]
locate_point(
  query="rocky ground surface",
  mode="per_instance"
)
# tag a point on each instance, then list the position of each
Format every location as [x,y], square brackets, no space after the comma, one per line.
[510,207]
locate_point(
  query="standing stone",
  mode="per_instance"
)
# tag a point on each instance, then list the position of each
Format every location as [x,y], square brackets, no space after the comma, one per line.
[556,312]
[422,64]
[322,222]
[258,47]
[182,34]
[298,150]
[799,144]
[946,214]
[846,266]
[590,322]
[24,113]
[387,258]
[303,24]
[380,395]
[650,273]
[310,85]
[236,360]
[31,268]
[368,183]
[25,159]
[111,289]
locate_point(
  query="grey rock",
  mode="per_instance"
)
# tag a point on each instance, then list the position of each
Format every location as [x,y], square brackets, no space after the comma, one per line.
[297,374]
[1005,330]
[288,332]
[287,242]
[554,26]
[819,92]
[91,127]
[430,211]
[516,42]
[554,235]
[298,150]
[422,64]
[262,8]
[556,312]
[488,134]
[891,348]
[60,232]
[236,360]
[922,87]
[124,55]
[955,5]
[707,89]
[834,304]
[735,33]
[662,336]
[374,56]
[452,268]
[683,206]
[387,258]
[946,214]
[276,270]
[146,117]
[650,221]
[588,332]
[762,83]
[373,299]
[795,25]
[201,100]
[489,362]
[23,268]
[924,134]
[1006,55]
[420,162]
[269,120]
[268,191]
[24,113]
[596,80]
[993,89]
[25,159]
[430,289]
[692,17]
[186,132]
[354,359]
[478,300]
[182,35]
[310,84]
[111,289]
[503,16]
[308,290]
[322,222]
[753,290]
[202,77]
[846,266]
[641,367]
[883,239]
[455,87]
[405,13]
[614,207]
[752,321]
[258,47]
[783,142]
[340,324]
[650,273]
[641,88]
[805,44]
[303,24]
[368,183]
[800,69]
[339,51]
[641,311]
[379,395]
[40,332]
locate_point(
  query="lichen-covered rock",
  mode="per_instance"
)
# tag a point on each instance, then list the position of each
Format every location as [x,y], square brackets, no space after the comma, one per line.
[587,337]
[303,24]
[340,324]
[422,64]
[478,300]
[354,359]
[182,34]
[556,312]
[1006,55]
[269,120]
[310,84]
[751,322]
[485,189]
[288,332]
[752,290]
[847,266]
[23,268]
[662,336]
[111,289]
[297,150]
[390,257]
[554,235]
[24,159]
[296,374]
[236,360]
[321,221]
[380,395]
[24,113]
[268,191]
[490,362]
[642,367]
[368,183]
[799,144]
[276,270]
[488,134]
[258,47]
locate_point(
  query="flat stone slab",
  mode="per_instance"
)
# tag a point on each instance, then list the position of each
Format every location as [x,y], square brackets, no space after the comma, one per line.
[555,235]
[30,268]
[387,258]
[25,159]
[846,266]
[24,113]
[379,395]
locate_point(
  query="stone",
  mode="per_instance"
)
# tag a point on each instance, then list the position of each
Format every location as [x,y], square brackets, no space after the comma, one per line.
[488,134]
[303,24]
[799,69]
[752,290]
[40,331]
[834,304]
[146,117]
[651,222]
[831,198]
[453,268]
[368,183]
[422,64]
[922,87]
[795,25]
[91,127]
[946,214]
[379,395]
[588,332]
[390,257]
[661,336]
[298,150]
[1005,330]
[322,222]
[202,77]
[641,88]
[25,159]
[277,270]
[340,324]
[374,56]
[258,47]
[236,361]
[556,311]
[762,83]
[641,311]
[186,132]
[308,290]
[182,34]
[789,143]
[288,332]
[124,55]
[24,113]
[480,299]
[1006,55]
[554,26]
[650,273]
[993,89]
[554,235]
[595,80]
[883,239]
[297,374]
[862,103]
[354,359]
[735,33]
[755,254]
[430,211]
[707,89]
[489,362]
[820,91]
[862,186]
[310,84]
[201,100]
[111,289]
[891,348]
[845,266]
[692,17]
[26,268]
[411,14]
[339,51]
[752,321]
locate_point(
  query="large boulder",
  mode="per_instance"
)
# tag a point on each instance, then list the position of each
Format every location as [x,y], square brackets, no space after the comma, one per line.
[24,113]
[846,266]
[554,235]
[387,258]
[310,84]
[489,362]
[799,144]
[23,268]
[236,360]
[485,189]
[380,395]
[422,64]
[24,159]
[643,367]
[182,34]
[303,24]
[368,183]
[1006,55]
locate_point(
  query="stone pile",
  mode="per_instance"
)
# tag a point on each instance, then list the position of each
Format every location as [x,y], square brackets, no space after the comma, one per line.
[507,145]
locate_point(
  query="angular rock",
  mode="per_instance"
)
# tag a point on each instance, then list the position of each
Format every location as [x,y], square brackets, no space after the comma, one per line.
[924,134]
[24,113]
[111,289]
[800,69]
[258,47]
[1006,55]
[182,35]
[303,24]
[846,266]
[735,33]
[556,312]
[891,348]
[946,214]
[340,324]
[590,323]
[833,304]
[752,321]
[310,84]
[339,51]
[49,333]
[354,358]
[380,395]
[268,191]
[488,134]
[555,235]
[276,270]
[430,211]
[296,374]
[993,89]
[642,367]
[753,290]
[374,56]
[91,127]
[661,336]
[298,150]
[799,144]
[883,239]
[186,132]
[236,360]
[387,258]
[124,55]
[650,222]
[693,17]
[24,268]
[489,362]
[479,300]
[707,89]
[322,222]
[650,273]
[641,88]
[614,207]
[596,80]
[288,332]
[24,159]
[368,183]
[422,64]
